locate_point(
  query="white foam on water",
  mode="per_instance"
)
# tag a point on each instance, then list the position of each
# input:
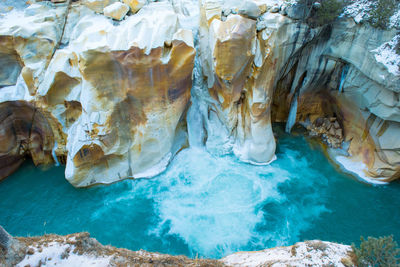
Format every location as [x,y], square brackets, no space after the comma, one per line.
[219,205]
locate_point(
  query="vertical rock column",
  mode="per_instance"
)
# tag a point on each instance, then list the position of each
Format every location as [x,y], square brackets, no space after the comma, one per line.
[239,65]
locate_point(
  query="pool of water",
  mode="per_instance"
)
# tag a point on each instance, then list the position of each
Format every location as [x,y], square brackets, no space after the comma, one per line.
[208,206]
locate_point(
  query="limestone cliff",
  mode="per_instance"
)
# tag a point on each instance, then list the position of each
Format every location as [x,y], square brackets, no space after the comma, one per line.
[104,86]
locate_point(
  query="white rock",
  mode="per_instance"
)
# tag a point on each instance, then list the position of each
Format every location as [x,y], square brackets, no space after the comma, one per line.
[274,9]
[135,5]
[98,5]
[116,10]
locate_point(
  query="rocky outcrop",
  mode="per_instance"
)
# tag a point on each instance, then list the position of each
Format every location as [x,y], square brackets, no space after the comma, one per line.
[278,68]
[80,249]
[11,250]
[110,96]
[336,74]
[118,93]
[238,64]
[328,129]
[116,10]
[27,45]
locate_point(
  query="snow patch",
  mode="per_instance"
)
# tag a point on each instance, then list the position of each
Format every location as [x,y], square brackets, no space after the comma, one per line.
[359,10]
[58,254]
[386,54]
[395,19]
[310,253]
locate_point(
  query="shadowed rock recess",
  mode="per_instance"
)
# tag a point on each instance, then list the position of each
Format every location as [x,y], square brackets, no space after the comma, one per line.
[105,90]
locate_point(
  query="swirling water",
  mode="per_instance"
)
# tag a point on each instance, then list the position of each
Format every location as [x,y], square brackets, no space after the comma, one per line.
[207,205]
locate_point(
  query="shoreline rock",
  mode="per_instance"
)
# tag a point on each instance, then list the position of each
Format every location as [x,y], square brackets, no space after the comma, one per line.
[80,249]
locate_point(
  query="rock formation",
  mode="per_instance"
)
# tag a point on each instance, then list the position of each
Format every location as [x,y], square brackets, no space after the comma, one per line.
[279,68]
[338,74]
[239,70]
[80,249]
[109,97]
[116,93]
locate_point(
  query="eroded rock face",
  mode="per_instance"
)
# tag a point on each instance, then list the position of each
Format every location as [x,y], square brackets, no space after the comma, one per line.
[24,131]
[235,62]
[242,56]
[279,63]
[115,93]
[118,92]
[337,75]
[98,5]
[28,38]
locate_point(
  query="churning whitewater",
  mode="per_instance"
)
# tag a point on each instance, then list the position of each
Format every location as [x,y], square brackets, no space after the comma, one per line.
[220,205]
[208,205]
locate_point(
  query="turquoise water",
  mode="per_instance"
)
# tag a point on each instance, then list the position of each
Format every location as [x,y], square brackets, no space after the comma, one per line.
[208,206]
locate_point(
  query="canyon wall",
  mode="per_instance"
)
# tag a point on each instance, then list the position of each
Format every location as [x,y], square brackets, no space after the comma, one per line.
[106,90]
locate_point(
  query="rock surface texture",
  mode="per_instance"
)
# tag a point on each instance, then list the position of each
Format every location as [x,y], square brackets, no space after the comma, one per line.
[82,250]
[109,98]
[115,94]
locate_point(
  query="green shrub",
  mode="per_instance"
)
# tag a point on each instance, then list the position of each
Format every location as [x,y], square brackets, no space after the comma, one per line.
[381,13]
[328,12]
[321,12]
[377,252]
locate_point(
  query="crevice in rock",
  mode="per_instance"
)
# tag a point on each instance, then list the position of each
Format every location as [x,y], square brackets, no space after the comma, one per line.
[65,19]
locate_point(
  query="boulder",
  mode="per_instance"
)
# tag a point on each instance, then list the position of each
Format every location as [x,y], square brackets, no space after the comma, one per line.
[5,238]
[98,5]
[116,10]
[274,9]
[135,5]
